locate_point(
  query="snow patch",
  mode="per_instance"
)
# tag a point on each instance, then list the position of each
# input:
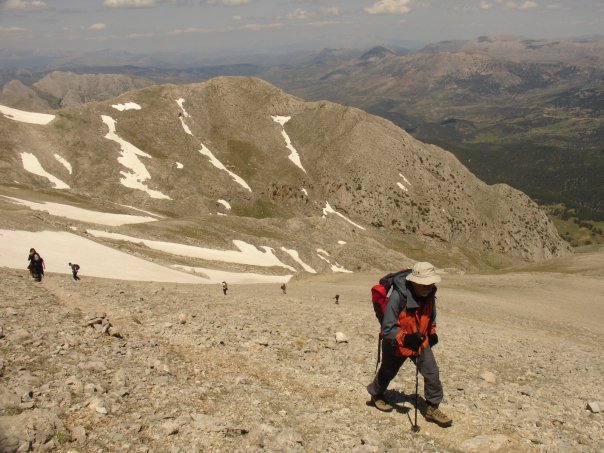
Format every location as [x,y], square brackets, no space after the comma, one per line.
[180,103]
[126,106]
[96,260]
[404,179]
[293,156]
[206,152]
[128,158]
[329,210]
[63,162]
[26,117]
[225,204]
[83,215]
[294,254]
[33,165]
[247,253]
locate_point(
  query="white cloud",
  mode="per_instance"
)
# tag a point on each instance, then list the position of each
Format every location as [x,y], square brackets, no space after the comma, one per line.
[523,6]
[390,7]
[24,5]
[229,2]
[128,3]
[98,26]
[301,14]
[7,30]
[257,27]
[529,5]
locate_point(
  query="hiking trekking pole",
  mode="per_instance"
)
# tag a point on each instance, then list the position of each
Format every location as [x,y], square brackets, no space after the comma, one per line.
[379,352]
[415,427]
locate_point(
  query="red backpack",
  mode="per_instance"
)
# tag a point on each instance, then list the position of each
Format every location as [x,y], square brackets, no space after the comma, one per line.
[379,293]
[379,298]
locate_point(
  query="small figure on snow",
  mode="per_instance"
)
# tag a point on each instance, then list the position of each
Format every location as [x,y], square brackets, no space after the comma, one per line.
[36,265]
[74,270]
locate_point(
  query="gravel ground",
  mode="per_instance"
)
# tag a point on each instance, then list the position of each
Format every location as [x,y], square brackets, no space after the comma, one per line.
[106,365]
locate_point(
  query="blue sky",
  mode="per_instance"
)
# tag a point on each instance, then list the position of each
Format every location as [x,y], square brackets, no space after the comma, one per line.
[254,26]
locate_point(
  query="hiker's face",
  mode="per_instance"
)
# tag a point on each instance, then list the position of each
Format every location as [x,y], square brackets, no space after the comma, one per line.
[421,290]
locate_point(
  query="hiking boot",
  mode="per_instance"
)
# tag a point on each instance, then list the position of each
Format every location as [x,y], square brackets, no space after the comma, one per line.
[434,414]
[381,404]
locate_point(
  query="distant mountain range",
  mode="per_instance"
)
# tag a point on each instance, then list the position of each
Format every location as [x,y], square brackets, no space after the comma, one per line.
[236,158]
[522,111]
[526,112]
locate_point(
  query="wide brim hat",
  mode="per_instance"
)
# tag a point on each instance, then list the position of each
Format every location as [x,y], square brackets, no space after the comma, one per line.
[423,273]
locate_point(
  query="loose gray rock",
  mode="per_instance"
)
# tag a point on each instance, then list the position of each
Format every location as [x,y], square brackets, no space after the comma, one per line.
[341,338]
[594,406]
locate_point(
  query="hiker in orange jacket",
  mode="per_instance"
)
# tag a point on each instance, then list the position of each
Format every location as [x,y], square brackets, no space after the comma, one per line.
[409,331]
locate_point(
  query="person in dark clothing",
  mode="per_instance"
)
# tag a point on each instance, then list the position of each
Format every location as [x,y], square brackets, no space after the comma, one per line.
[74,270]
[409,331]
[284,288]
[225,288]
[337,298]
[36,265]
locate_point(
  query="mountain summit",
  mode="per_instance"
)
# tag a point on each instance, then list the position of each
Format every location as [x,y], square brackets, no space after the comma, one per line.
[324,187]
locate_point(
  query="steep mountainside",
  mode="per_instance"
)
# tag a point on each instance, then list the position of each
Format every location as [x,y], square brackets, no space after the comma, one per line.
[70,89]
[527,113]
[60,89]
[237,158]
[18,95]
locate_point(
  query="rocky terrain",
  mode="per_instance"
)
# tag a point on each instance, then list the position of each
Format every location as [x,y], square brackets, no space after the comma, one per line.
[107,365]
[60,89]
[524,112]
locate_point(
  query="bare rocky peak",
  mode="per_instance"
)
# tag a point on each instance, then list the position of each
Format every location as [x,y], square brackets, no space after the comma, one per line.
[69,89]
[18,95]
[400,196]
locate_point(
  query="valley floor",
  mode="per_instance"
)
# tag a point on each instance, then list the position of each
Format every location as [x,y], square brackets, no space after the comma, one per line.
[520,356]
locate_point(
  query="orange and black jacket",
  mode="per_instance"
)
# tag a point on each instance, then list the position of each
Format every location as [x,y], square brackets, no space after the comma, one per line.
[406,314]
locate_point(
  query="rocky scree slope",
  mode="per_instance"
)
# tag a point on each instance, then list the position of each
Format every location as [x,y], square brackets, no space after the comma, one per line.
[104,364]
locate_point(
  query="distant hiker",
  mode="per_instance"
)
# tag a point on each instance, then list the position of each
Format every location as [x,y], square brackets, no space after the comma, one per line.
[409,331]
[74,270]
[225,287]
[284,288]
[337,298]
[36,265]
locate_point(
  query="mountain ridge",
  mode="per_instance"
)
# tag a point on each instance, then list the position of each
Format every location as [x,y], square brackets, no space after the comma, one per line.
[422,202]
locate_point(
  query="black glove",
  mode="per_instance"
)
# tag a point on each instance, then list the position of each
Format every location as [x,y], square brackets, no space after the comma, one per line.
[432,339]
[413,341]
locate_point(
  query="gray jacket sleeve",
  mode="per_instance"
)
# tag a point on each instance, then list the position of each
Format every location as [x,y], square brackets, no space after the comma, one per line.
[393,309]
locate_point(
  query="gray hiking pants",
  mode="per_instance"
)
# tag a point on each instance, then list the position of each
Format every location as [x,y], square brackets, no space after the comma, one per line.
[433,389]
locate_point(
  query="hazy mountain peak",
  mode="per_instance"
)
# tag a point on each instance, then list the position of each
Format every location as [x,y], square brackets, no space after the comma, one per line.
[376,53]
